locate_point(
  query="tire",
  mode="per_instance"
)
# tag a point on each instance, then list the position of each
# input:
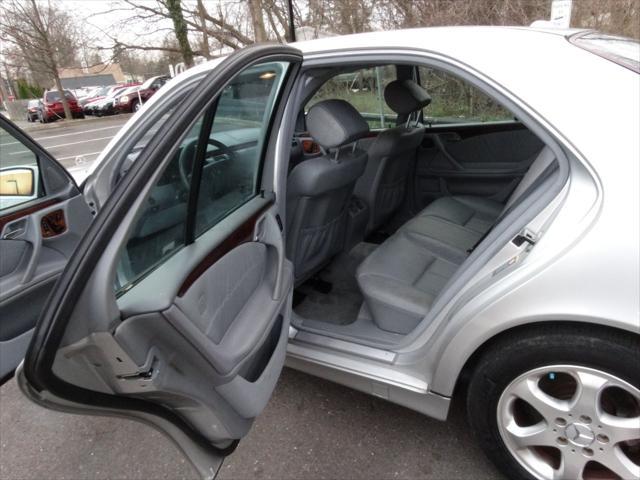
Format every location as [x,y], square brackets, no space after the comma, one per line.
[135,106]
[555,357]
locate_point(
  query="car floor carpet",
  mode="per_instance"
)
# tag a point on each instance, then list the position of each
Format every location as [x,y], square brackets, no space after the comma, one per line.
[342,304]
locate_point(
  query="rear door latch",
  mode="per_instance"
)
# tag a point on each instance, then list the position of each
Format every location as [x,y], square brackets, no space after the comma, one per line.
[525,236]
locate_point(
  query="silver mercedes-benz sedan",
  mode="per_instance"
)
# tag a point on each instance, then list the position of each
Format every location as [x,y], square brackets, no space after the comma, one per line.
[416,214]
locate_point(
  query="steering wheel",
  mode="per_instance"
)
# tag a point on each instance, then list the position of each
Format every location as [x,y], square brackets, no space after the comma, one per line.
[188,154]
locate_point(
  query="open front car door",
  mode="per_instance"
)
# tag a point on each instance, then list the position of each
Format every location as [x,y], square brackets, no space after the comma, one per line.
[42,218]
[175,308]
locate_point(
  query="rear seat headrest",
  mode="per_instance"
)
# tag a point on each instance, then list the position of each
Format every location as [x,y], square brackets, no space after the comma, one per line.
[406,96]
[334,123]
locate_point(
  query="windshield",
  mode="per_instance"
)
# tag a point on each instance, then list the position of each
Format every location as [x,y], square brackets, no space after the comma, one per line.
[147,83]
[115,93]
[621,50]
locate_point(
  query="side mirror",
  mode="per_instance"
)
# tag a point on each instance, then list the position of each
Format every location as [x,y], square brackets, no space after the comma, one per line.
[17,185]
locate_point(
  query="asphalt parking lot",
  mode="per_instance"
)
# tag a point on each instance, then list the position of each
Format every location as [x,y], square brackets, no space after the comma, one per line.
[78,143]
[311,429]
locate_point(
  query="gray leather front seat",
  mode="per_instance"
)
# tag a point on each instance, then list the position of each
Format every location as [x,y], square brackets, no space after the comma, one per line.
[384,182]
[319,189]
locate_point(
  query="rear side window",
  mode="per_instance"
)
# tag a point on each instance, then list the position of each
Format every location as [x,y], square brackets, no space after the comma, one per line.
[455,101]
[364,89]
[218,160]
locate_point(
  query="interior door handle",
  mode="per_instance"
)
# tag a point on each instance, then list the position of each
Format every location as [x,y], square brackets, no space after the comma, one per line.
[15,229]
[28,230]
[437,140]
[268,231]
[14,233]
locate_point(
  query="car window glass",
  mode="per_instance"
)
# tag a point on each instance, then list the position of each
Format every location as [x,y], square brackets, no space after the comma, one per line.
[233,152]
[235,128]
[19,173]
[364,89]
[455,101]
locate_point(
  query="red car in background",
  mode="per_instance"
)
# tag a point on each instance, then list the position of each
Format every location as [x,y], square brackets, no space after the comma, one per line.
[134,100]
[52,108]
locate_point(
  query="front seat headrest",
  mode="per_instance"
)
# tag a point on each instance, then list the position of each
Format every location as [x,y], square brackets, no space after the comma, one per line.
[334,123]
[406,96]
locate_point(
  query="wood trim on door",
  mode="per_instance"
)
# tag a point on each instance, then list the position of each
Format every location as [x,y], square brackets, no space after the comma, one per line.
[240,235]
[10,217]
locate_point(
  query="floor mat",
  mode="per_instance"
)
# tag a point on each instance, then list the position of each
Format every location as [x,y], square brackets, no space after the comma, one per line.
[342,304]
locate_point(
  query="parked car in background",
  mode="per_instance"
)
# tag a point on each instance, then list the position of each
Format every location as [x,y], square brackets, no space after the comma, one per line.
[107,106]
[96,106]
[82,91]
[33,107]
[52,109]
[133,100]
[93,94]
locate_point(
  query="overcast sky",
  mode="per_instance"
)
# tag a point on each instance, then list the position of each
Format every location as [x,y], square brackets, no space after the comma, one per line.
[104,14]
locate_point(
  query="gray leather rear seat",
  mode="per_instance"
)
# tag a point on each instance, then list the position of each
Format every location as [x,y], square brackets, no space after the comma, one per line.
[402,277]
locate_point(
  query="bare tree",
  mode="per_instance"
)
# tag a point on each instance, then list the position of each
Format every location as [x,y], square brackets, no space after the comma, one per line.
[620,17]
[257,18]
[202,26]
[203,29]
[427,13]
[174,8]
[39,33]
[341,16]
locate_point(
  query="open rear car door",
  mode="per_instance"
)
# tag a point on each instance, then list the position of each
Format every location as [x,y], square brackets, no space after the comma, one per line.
[175,308]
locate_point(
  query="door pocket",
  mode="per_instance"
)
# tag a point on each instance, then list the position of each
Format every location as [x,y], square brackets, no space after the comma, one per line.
[250,394]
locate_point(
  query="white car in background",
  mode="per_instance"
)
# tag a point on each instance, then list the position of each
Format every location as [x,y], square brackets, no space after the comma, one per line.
[462,217]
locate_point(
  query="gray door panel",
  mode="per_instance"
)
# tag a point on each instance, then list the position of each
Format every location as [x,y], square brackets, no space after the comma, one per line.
[32,257]
[460,163]
[214,354]
[13,254]
[41,223]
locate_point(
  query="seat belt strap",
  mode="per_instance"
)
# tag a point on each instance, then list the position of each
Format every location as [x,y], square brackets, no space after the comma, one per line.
[546,173]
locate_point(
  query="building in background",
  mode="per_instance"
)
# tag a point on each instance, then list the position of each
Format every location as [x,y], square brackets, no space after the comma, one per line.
[92,76]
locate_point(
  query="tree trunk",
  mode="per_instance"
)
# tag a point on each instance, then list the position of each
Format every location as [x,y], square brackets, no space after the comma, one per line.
[53,64]
[205,36]
[63,98]
[180,29]
[259,32]
[4,93]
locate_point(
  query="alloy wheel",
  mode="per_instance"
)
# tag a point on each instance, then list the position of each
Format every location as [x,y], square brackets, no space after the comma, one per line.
[572,422]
